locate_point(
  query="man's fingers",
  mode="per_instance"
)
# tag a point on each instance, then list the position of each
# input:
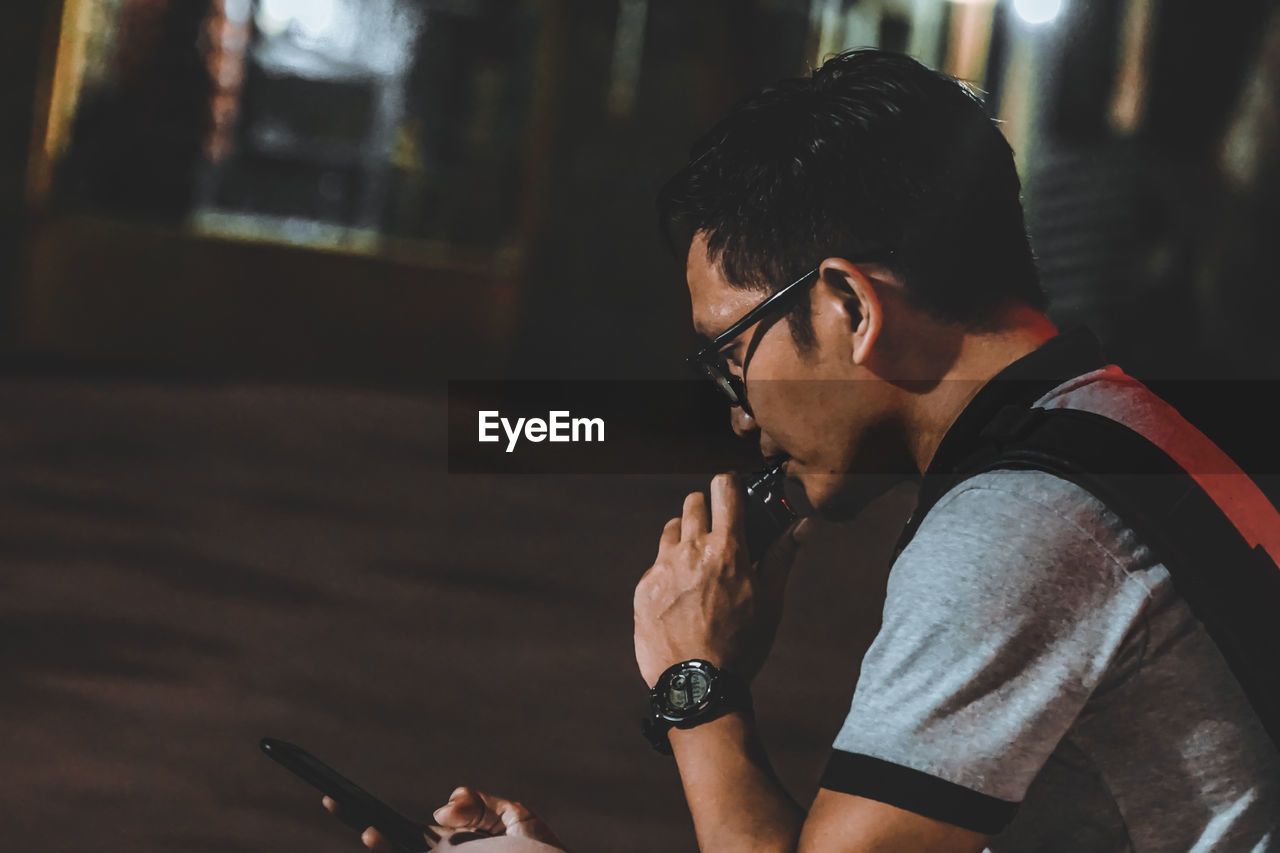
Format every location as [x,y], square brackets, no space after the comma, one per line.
[670,534]
[471,810]
[375,840]
[468,809]
[370,836]
[335,809]
[728,506]
[516,819]
[696,518]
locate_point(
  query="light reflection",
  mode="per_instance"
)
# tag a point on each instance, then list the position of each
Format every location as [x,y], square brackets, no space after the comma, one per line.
[313,18]
[1037,11]
[237,11]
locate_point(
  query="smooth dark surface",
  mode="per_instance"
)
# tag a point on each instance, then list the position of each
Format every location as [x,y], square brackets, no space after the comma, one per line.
[186,568]
[359,808]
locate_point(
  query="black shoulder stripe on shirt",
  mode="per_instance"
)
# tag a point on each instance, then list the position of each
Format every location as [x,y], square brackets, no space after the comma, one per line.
[915,791]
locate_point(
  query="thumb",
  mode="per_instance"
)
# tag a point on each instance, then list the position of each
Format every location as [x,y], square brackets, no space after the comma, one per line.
[467,809]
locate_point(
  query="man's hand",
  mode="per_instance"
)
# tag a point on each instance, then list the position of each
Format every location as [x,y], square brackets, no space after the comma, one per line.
[473,811]
[470,814]
[702,598]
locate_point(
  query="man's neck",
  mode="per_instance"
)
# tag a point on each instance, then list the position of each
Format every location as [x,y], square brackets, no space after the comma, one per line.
[980,356]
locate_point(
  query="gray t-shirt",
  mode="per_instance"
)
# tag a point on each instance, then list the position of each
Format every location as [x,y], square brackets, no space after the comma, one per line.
[1034,652]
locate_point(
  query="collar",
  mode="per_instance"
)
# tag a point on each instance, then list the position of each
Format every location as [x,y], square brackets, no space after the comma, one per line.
[1021,383]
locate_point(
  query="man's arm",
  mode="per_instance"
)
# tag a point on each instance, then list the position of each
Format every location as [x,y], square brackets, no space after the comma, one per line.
[702,599]
[843,822]
[738,804]
[736,799]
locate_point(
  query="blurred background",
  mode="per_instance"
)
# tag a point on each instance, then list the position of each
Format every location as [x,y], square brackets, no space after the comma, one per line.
[245,243]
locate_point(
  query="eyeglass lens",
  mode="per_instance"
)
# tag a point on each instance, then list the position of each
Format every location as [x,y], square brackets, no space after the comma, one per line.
[724,380]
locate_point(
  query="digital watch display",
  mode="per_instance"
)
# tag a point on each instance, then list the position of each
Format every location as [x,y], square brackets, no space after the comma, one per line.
[690,693]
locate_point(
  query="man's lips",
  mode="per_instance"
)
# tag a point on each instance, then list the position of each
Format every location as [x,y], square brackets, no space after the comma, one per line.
[776,462]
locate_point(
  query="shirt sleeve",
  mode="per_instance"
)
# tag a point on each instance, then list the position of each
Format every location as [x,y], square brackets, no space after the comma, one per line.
[1002,617]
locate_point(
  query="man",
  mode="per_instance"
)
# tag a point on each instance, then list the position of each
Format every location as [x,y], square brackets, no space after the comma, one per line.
[1037,682]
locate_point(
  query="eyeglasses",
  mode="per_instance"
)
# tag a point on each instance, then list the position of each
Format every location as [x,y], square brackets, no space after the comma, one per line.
[710,359]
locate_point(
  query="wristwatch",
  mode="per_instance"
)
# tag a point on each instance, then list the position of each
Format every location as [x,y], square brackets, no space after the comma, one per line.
[689,694]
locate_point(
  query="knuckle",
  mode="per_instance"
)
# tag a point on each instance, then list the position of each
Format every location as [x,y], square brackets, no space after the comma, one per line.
[647,592]
[718,543]
[518,811]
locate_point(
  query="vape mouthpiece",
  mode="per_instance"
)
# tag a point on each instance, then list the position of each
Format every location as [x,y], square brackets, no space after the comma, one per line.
[768,514]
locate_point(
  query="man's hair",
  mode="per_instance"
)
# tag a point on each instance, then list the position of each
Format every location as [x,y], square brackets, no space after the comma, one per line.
[873,153]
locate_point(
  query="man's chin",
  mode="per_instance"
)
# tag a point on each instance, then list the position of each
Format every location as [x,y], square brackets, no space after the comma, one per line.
[837,497]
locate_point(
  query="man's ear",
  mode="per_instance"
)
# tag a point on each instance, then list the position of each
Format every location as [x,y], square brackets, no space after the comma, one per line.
[859,300]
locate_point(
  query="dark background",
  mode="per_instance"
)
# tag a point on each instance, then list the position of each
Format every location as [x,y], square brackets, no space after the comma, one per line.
[231,297]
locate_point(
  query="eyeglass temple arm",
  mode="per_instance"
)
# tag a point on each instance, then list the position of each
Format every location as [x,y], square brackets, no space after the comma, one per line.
[750,317]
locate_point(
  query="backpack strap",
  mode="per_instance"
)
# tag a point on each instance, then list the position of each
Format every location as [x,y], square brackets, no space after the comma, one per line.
[1232,588]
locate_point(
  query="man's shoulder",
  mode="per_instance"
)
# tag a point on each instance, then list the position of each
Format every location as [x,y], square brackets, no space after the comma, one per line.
[1012,563]
[1113,394]
[1021,510]
[1026,523]
[1025,513]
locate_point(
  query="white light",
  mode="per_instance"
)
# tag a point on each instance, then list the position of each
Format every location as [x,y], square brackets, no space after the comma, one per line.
[313,17]
[1037,11]
[237,11]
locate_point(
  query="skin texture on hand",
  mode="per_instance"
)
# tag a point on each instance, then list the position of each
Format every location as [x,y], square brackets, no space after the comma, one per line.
[471,810]
[702,598]
[470,815]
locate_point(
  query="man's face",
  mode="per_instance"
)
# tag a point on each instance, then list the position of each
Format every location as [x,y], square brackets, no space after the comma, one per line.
[819,406]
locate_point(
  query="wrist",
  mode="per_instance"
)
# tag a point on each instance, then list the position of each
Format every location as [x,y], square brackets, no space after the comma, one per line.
[653,671]
[736,727]
[691,694]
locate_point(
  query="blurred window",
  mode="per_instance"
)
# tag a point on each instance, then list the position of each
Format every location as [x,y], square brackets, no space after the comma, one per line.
[352,124]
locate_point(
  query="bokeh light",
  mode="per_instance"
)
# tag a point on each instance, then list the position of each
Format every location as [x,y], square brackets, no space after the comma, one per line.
[1037,11]
[313,17]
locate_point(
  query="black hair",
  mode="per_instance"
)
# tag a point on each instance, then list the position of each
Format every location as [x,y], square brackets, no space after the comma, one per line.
[872,153]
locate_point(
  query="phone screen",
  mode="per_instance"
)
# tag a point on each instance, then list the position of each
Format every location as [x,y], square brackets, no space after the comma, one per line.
[359,808]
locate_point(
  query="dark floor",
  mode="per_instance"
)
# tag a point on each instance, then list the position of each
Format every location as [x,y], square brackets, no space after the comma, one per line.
[187,569]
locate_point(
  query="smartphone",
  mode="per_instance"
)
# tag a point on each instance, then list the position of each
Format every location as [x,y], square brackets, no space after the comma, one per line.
[360,809]
[768,512]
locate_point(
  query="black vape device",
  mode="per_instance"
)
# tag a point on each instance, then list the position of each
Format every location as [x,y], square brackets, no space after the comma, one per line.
[768,513]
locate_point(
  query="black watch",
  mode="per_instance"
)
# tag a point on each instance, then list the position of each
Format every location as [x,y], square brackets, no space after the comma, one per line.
[689,694]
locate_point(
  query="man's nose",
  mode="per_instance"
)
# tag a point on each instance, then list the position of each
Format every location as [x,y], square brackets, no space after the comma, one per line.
[742,422]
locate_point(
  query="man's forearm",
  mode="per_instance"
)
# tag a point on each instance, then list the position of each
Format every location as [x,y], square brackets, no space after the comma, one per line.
[735,798]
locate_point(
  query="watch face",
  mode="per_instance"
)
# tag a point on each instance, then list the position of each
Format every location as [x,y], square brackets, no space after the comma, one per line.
[688,689]
[684,690]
